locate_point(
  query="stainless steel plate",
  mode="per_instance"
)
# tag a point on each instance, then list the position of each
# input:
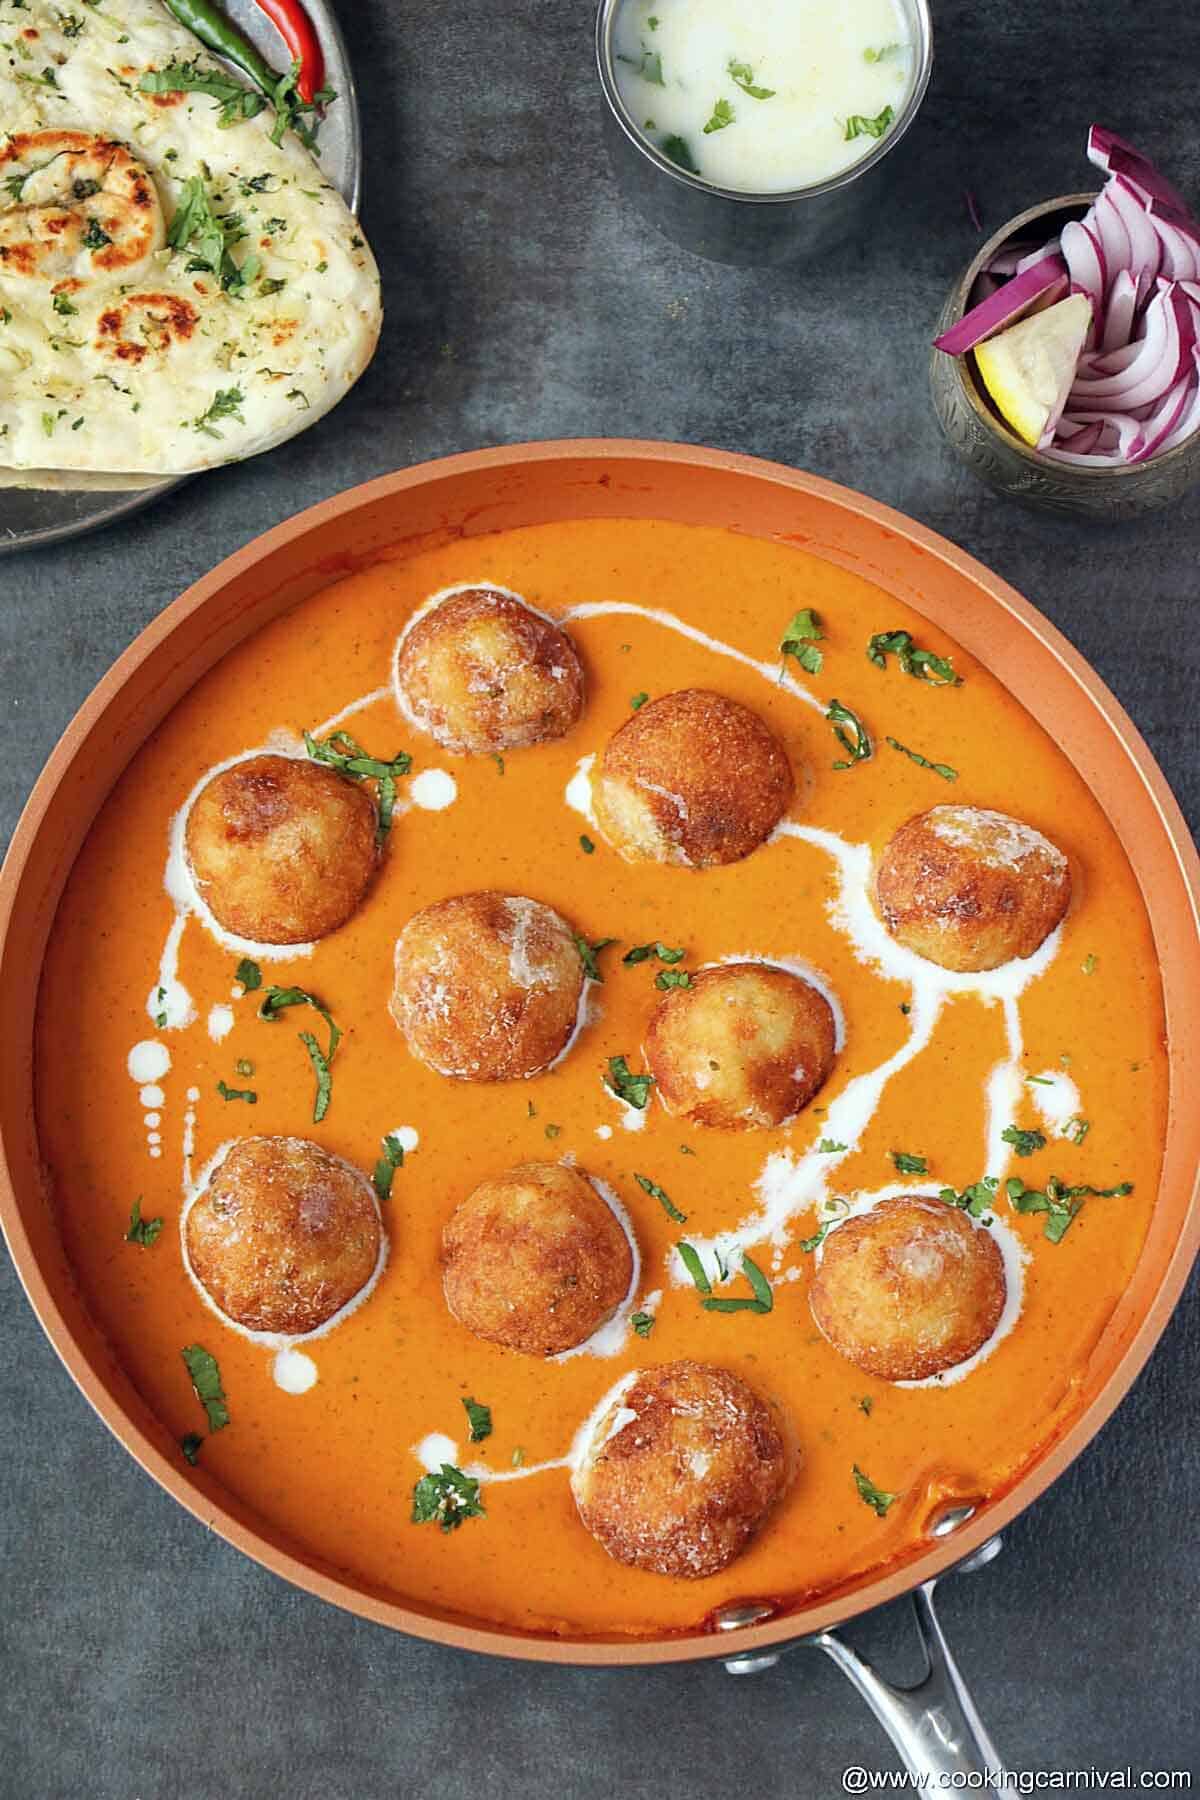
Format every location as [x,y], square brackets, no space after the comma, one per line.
[41,507]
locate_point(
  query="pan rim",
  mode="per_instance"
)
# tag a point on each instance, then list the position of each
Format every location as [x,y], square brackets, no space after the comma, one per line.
[204,1497]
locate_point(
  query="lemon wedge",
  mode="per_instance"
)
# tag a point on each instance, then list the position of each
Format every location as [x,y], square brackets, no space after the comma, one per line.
[1029,369]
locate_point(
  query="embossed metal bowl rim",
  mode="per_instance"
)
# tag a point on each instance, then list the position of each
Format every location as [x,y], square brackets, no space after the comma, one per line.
[490,490]
[1186,452]
[922,69]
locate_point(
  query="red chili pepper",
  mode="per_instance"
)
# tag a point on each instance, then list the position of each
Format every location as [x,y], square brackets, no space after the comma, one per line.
[297,31]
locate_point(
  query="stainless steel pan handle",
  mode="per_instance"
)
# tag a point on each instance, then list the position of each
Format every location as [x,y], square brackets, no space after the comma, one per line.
[934,1726]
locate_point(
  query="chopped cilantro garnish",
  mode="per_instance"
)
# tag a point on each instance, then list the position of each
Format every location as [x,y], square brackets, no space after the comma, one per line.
[479,1418]
[664,952]
[975,1199]
[799,641]
[227,404]
[589,952]
[586,844]
[743,75]
[637,701]
[206,1379]
[190,1445]
[385,1169]
[722,115]
[689,1256]
[830,1147]
[672,978]
[1058,1201]
[62,305]
[274,1002]
[1076,1129]
[676,150]
[248,974]
[763,1299]
[1025,1143]
[664,1199]
[648,65]
[142,1231]
[446,1498]
[1090,964]
[857,125]
[909,1165]
[873,1496]
[643,1323]
[633,1089]
[866,1405]
[228,1093]
[234,101]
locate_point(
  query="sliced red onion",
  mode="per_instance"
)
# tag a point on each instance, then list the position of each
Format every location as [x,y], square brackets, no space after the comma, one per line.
[1004,308]
[1043,251]
[1118,314]
[1189,420]
[1165,354]
[1082,438]
[1180,244]
[1112,154]
[1144,242]
[1085,261]
[1009,259]
[1107,223]
[1118,431]
[1084,459]
[1162,422]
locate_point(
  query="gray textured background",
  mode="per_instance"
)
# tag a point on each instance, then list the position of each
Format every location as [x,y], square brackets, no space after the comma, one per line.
[140,1657]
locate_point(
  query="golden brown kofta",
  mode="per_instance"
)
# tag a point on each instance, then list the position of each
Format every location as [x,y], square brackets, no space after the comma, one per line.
[284,1235]
[692,778]
[970,889]
[745,1047]
[535,1260]
[481,672]
[681,1470]
[281,850]
[487,986]
[908,1289]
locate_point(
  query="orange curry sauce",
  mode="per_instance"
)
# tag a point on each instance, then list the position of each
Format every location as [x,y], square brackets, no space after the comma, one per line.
[334,1468]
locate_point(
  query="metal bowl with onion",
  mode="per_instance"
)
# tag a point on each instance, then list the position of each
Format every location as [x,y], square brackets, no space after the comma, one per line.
[731,226]
[993,451]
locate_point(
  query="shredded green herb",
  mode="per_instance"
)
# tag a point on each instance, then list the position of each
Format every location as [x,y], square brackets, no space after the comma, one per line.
[341,752]
[248,974]
[633,1089]
[586,844]
[800,641]
[588,954]
[446,1498]
[761,1301]
[672,978]
[661,1195]
[385,1169]
[234,102]
[850,733]
[1060,1202]
[874,1497]
[142,1231]
[976,1199]
[923,665]
[643,1323]
[1025,1143]
[191,1445]
[643,952]
[743,75]
[722,115]
[907,1164]
[275,1001]
[206,1379]
[227,404]
[677,150]
[479,1419]
[857,125]
[690,1258]
[830,1147]
[648,65]
[228,1093]
[942,769]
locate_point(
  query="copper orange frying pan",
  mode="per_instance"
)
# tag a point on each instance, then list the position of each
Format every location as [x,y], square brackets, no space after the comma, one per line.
[935,1726]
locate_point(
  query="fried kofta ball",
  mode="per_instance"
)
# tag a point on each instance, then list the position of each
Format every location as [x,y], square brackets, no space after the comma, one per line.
[680,1470]
[744,1047]
[487,986]
[909,1288]
[284,1235]
[970,889]
[281,851]
[481,672]
[535,1260]
[692,778]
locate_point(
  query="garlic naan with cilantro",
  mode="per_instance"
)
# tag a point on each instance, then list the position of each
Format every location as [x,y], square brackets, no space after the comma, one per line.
[176,290]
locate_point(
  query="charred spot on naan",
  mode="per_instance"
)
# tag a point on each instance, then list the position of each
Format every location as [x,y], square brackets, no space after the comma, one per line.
[161,321]
[81,205]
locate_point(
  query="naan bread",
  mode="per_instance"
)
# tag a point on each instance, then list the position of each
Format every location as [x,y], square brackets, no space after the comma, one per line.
[117,351]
